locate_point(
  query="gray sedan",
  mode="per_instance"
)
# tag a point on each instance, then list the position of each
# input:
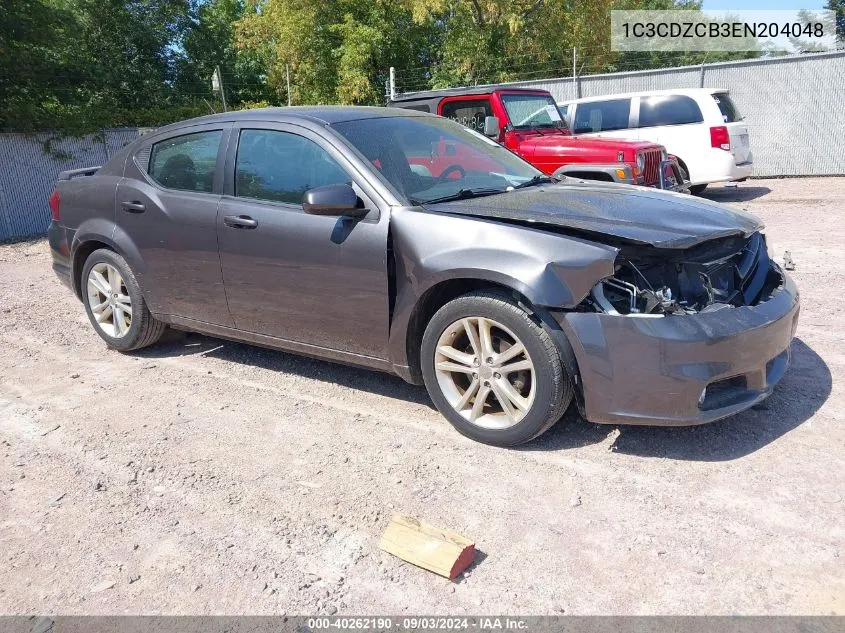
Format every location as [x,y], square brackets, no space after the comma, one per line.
[404,242]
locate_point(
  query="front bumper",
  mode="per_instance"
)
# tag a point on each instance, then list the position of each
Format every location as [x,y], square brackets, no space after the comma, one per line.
[717,165]
[669,177]
[655,370]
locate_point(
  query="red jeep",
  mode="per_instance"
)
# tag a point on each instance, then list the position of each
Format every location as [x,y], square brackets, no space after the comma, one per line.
[529,124]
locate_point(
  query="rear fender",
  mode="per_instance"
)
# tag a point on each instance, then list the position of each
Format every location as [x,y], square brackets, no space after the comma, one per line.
[106,231]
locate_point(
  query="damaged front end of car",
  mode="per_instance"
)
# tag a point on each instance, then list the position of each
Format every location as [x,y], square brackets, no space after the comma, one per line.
[683,336]
[648,281]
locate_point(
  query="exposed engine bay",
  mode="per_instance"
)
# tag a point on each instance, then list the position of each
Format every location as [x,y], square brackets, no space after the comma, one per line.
[732,271]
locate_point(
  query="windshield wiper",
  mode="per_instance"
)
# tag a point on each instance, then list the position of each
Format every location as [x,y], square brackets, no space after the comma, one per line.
[536,180]
[463,194]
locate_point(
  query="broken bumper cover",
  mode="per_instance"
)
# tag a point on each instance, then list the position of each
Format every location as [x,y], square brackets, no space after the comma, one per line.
[685,369]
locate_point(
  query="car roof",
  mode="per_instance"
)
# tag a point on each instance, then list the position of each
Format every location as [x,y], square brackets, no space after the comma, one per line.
[321,114]
[467,90]
[689,92]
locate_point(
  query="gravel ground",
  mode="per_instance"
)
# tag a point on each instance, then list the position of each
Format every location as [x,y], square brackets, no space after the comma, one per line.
[205,477]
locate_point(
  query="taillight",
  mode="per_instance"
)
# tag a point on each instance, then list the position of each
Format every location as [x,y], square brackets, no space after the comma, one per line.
[55,202]
[719,138]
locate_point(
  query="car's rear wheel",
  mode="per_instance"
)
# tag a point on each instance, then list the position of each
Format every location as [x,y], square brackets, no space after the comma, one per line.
[115,305]
[493,372]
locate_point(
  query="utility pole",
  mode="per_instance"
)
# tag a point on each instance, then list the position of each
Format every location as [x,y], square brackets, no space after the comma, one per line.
[392,85]
[217,84]
[574,73]
[287,80]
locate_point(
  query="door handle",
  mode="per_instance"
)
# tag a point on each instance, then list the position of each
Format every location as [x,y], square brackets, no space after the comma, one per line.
[240,222]
[133,206]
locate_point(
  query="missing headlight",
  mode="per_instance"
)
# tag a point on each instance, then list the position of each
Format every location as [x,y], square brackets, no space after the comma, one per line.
[722,273]
[614,296]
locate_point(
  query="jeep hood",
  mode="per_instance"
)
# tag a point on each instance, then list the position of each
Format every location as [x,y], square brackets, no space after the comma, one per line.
[634,214]
[595,148]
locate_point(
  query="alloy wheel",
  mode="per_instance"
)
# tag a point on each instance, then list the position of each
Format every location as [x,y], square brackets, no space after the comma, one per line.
[485,372]
[109,300]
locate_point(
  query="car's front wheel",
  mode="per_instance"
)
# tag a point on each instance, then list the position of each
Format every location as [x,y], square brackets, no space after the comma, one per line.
[115,305]
[493,372]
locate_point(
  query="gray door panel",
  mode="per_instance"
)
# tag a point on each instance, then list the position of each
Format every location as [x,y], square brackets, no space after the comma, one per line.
[311,279]
[175,233]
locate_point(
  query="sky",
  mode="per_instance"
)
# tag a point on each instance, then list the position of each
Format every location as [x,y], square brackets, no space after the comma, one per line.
[764,4]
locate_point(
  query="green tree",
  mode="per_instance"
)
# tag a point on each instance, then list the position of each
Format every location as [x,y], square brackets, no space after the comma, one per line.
[77,65]
[838,7]
[125,52]
[209,41]
[501,40]
[338,51]
[32,34]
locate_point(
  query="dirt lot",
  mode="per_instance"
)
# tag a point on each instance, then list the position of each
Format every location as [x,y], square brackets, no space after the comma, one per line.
[204,477]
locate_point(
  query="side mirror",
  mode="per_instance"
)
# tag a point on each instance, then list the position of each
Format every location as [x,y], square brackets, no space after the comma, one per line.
[491,126]
[332,200]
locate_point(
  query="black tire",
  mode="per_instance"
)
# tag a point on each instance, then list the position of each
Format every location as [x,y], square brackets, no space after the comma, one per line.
[695,190]
[553,387]
[144,329]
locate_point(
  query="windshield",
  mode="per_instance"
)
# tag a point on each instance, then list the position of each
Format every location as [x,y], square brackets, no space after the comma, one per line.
[429,158]
[532,111]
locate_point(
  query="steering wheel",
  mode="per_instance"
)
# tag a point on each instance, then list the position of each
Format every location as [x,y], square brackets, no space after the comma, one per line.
[445,173]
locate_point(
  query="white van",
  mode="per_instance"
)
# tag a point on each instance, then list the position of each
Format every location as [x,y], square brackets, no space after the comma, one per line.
[701,126]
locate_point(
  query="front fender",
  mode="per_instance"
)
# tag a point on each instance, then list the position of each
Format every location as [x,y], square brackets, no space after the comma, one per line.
[547,268]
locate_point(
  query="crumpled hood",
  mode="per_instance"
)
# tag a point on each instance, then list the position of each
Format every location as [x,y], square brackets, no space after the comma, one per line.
[637,214]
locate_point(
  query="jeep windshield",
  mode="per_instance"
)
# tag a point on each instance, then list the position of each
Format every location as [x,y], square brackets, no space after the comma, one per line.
[532,111]
[426,158]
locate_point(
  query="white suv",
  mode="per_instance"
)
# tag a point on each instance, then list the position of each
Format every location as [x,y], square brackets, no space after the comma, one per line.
[701,126]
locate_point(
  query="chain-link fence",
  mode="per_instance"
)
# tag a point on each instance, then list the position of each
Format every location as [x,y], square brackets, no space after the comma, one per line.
[29,166]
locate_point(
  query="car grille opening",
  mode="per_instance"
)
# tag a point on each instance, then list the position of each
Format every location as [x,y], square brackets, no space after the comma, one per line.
[723,393]
[651,171]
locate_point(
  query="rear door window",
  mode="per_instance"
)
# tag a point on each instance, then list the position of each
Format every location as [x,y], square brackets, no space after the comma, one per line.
[186,162]
[469,113]
[669,110]
[602,116]
[730,113]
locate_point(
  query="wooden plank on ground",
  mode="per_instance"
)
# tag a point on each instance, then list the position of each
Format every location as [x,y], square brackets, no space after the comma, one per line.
[442,551]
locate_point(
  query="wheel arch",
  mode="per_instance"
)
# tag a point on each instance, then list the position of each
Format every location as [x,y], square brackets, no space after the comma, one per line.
[81,253]
[431,301]
[96,236]
[445,291]
[682,163]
